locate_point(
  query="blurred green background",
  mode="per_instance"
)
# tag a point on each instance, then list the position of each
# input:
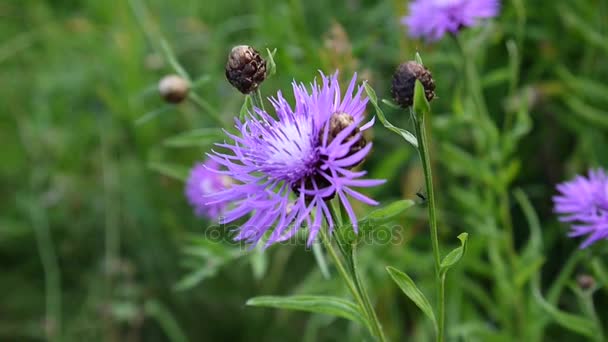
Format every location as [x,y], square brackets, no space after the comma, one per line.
[96,244]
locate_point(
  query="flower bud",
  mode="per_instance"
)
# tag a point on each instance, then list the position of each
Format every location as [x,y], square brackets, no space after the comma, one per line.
[337,123]
[404,81]
[173,88]
[585,281]
[245,68]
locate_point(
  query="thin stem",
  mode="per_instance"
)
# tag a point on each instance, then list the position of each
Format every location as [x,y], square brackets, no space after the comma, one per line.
[256,98]
[371,313]
[353,280]
[428,178]
[340,266]
[351,257]
[206,106]
[587,298]
[50,266]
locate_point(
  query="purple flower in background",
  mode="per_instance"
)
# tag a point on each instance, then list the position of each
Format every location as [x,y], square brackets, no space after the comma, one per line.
[202,182]
[287,168]
[583,202]
[431,19]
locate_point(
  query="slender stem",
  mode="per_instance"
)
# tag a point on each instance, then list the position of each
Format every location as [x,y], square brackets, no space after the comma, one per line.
[206,106]
[428,178]
[352,279]
[340,266]
[52,274]
[256,98]
[371,313]
[589,308]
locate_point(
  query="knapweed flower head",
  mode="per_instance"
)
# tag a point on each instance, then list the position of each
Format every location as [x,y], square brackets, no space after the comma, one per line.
[583,202]
[203,182]
[432,19]
[287,167]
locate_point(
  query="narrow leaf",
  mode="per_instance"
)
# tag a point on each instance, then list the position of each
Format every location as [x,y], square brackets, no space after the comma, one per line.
[245,108]
[371,94]
[455,255]
[575,323]
[421,105]
[178,172]
[318,304]
[390,210]
[272,66]
[407,285]
[320,258]
[196,137]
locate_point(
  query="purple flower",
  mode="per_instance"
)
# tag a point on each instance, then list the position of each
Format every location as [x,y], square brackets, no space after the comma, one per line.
[202,182]
[583,202]
[431,19]
[287,168]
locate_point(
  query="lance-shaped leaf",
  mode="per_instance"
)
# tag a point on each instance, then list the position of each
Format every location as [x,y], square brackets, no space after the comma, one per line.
[178,172]
[455,255]
[389,211]
[318,304]
[373,98]
[194,138]
[575,323]
[407,285]
[421,105]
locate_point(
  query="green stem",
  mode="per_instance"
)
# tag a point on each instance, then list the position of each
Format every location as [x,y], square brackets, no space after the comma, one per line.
[589,308]
[371,313]
[206,106]
[341,269]
[256,98]
[423,150]
[353,279]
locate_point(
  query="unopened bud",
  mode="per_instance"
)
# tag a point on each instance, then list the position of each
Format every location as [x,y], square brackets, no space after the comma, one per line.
[404,81]
[245,68]
[585,281]
[337,123]
[173,88]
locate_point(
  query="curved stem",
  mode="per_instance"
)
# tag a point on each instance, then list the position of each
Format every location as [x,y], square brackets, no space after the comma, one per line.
[428,178]
[256,98]
[351,277]
[341,269]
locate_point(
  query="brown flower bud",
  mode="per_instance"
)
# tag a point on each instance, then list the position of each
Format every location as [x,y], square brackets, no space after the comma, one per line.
[585,281]
[245,68]
[404,81]
[173,88]
[337,123]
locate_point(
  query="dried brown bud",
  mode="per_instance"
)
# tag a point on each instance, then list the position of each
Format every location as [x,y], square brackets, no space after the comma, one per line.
[404,81]
[585,281]
[337,123]
[173,88]
[245,68]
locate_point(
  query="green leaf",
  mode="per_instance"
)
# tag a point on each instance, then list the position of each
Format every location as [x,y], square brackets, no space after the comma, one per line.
[390,210]
[407,285]
[391,104]
[527,269]
[534,245]
[409,137]
[195,137]
[272,66]
[320,258]
[318,304]
[418,58]
[421,105]
[455,255]
[245,107]
[575,323]
[259,262]
[178,172]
